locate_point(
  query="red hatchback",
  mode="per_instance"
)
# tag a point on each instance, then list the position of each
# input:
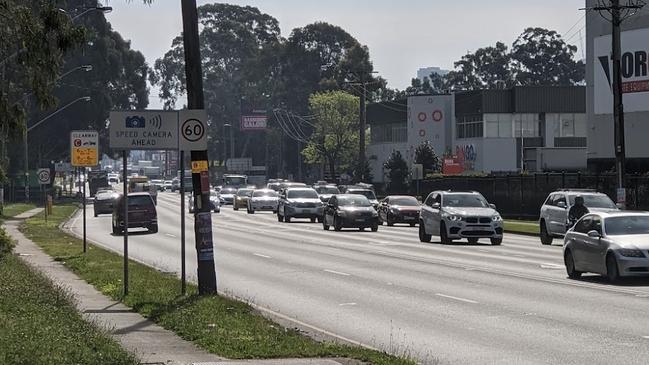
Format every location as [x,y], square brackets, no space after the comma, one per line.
[141,213]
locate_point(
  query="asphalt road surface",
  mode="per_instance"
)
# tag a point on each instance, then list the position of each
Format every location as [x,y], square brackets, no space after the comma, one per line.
[456,304]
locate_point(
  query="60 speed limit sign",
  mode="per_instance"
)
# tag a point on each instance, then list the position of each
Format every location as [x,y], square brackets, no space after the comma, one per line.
[43,176]
[192,130]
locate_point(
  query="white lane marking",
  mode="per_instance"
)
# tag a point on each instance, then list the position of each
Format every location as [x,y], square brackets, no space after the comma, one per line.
[519,256]
[642,295]
[337,272]
[551,266]
[170,235]
[456,298]
[264,256]
[645,337]
[347,304]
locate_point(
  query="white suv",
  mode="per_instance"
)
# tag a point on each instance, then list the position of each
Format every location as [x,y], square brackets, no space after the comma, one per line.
[455,215]
[553,219]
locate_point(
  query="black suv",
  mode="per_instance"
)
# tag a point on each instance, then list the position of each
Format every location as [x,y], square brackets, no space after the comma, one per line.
[141,213]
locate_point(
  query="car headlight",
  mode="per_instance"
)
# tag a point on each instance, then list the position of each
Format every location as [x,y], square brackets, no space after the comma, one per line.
[630,252]
[394,210]
[496,218]
[454,218]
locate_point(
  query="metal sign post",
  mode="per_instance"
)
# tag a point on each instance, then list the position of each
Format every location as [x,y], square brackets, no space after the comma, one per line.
[183,278]
[124,180]
[44,176]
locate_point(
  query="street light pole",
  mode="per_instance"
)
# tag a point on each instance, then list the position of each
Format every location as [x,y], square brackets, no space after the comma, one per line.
[28,129]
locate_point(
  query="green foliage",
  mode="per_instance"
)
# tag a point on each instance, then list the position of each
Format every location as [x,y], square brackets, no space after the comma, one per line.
[217,324]
[425,155]
[397,172]
[117,81]
[6,243]
[335,129]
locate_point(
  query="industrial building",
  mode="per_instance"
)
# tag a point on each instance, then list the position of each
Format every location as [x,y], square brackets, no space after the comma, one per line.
[635,85]
[538,128]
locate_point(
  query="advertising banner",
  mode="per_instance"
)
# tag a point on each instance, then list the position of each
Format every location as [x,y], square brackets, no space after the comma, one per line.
[428,120]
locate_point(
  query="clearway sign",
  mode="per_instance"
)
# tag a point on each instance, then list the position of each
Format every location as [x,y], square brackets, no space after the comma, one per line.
[144,130]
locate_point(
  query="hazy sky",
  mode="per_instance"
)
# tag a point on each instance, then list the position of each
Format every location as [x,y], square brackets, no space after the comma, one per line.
[402,35]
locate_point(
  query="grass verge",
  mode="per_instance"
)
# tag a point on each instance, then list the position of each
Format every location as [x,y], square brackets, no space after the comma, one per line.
[523,227]
[12,210]
[40,325]
[219,325]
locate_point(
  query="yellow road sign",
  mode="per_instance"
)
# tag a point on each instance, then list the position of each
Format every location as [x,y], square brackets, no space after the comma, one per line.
[84,148]
[199,166]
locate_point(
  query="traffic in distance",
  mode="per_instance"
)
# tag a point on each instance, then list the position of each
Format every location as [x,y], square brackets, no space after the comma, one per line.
[597,236]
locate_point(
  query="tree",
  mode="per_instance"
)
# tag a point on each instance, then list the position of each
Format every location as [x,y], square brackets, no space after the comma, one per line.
[334,138]
[542,57]
[485,68]
[426,156]
[240,50]
[34,37]
[397,172]
[117,81]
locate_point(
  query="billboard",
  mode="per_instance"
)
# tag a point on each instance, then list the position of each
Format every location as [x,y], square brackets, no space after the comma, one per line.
[428,120]
[635,79]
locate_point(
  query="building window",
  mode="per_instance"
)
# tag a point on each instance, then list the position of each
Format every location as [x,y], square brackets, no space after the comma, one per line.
[388,133]
[469,126]
[569,125]
[527,125]
[498,125]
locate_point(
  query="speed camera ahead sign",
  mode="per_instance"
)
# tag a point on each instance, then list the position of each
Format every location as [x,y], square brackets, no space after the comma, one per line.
[192,125]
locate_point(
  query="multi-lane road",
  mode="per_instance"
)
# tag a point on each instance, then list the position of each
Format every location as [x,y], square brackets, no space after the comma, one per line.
[457,304]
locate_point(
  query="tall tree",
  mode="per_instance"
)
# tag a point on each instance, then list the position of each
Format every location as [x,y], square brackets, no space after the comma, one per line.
[485,68]
[425,155]
[34,37]
[542,57]
[117,81]
[240,47]
[334,139]
[397,172]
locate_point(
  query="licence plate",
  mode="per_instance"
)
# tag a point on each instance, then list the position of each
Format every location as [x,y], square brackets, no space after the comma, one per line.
[409,218]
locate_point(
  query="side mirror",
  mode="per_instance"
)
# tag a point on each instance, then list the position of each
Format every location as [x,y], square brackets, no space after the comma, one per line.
[562,205]
[436,205]
[492,206]
[594,234]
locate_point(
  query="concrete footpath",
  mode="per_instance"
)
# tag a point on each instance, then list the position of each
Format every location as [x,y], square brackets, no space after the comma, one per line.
[151,343]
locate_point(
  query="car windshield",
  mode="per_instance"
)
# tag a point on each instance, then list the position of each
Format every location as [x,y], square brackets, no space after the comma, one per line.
[302,194]
[139,201]
[353,201]
[327,190]
[244,192]
[369,194]
[408,201]
[634,224]
[465,201]
[595,201]
[228,191]
[104,195]
[264,193]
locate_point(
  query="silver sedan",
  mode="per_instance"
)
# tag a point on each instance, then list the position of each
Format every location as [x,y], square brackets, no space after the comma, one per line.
[612,244]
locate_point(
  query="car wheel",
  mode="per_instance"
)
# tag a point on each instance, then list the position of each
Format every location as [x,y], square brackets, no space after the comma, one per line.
[570,266]
[361,229]
[338,224]
[546,239]
[496,241]
[423,237]
[153,228]
[473,241]
[375,227]
[443,235]
[612,272]
[312,219]
[325,226]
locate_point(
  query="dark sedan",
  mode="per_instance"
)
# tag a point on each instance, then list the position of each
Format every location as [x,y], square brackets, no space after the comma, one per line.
[399,209]
[104,201]
[350,210]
